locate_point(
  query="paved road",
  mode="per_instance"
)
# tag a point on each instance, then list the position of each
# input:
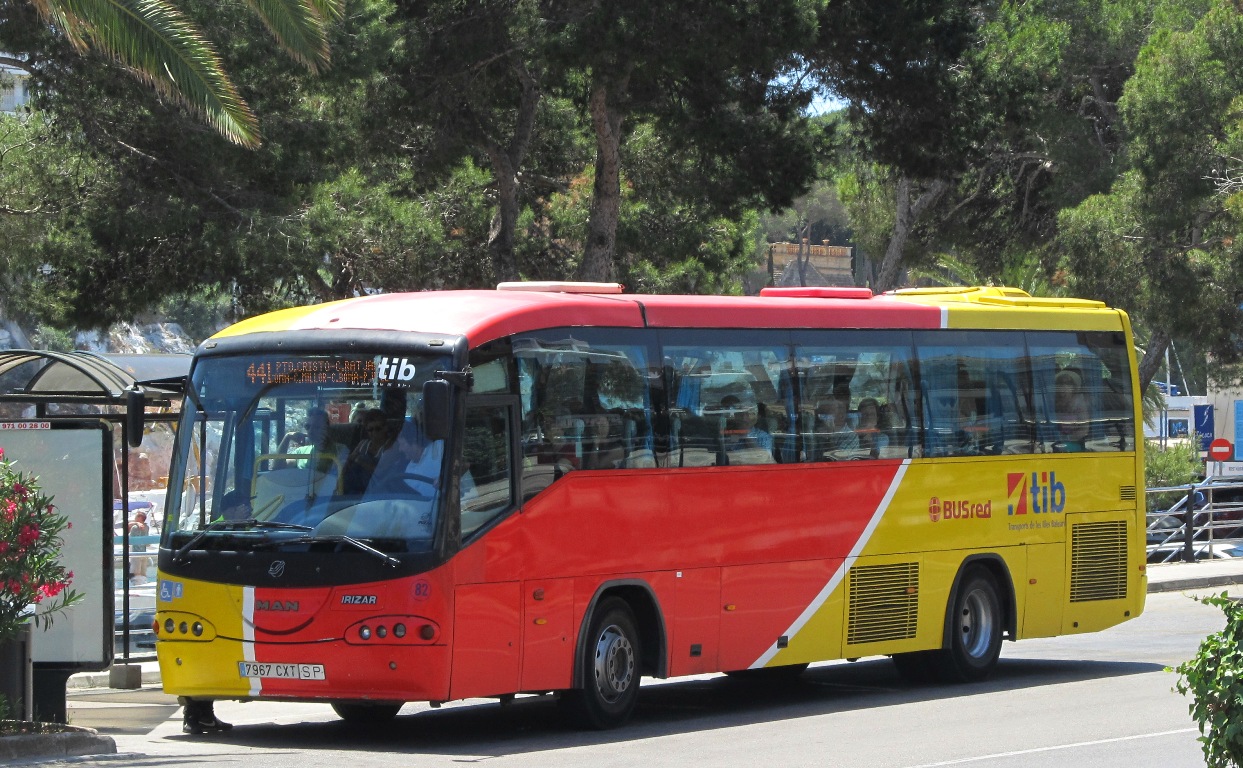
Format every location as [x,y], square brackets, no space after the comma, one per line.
[1103,699]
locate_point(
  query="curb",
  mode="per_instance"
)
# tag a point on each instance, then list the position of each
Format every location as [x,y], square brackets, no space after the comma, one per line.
[76,741]
[1202,582]
[90,680]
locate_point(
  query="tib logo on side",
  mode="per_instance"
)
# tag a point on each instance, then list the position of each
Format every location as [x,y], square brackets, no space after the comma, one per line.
[1042,494]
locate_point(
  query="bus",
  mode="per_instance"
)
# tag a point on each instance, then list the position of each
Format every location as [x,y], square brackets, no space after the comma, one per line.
[572,487]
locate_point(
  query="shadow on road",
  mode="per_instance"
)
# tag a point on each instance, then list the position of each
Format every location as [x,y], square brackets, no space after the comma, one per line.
[534,724]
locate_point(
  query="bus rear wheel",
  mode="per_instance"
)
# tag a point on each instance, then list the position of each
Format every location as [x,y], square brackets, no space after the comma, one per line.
[974,628]
[365,714]
[610,663]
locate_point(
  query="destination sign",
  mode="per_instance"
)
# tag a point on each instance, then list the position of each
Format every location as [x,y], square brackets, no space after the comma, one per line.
[333,371]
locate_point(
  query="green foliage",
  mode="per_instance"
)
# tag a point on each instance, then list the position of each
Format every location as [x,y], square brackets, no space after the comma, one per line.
[160,44]
[1214,680]
[1174,465]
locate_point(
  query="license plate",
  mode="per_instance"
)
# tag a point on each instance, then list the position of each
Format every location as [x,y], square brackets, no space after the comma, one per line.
[281,671]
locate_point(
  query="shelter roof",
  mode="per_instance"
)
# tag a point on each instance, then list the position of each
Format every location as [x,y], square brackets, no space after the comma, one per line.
[32,375]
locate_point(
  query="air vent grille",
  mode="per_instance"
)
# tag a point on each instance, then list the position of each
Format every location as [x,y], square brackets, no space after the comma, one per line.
[1127,493]
[1098,561]
[884,603]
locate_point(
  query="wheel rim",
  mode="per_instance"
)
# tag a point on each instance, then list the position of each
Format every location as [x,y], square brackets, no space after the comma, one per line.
[976,624]
[614,664]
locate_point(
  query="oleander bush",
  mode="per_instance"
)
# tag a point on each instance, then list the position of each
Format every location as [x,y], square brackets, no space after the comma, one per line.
[1214,680]
[31,574]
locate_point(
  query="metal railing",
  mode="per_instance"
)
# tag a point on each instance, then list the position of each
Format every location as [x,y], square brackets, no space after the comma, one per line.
[1194,522]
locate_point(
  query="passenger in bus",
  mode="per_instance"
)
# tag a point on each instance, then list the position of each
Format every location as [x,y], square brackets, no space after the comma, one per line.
[1072,413]
[741,432]
[871,431]
[330,455]
[558,439]
[362,461]
[833,426]
[413,464]
[600,450]
[971,428]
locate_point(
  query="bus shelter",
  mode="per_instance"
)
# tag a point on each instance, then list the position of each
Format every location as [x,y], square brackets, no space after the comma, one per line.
[44,398]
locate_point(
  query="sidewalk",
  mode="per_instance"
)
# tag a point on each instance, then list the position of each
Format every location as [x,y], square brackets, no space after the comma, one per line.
[1164,577]
[1202,574]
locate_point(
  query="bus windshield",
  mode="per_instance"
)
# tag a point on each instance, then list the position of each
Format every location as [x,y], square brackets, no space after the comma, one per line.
[312,452]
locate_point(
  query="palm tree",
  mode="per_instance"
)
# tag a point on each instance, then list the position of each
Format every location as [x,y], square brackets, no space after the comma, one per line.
[155,41]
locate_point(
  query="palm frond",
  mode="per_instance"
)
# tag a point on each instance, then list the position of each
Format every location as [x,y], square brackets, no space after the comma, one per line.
[300,27]
[161,46]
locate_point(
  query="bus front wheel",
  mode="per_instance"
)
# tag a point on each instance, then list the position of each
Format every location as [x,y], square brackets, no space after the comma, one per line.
[610,664]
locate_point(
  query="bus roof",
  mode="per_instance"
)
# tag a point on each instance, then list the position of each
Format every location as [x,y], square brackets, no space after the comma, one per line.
[482,315]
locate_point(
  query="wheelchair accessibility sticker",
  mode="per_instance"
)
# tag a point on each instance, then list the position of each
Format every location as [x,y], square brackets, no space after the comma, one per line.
[170,590]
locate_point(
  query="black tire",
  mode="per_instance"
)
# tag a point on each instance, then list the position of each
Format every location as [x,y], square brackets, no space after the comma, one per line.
[610,663]
[365,714]
[974,629]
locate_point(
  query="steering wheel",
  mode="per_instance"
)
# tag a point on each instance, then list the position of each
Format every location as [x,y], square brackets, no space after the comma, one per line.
[405,478]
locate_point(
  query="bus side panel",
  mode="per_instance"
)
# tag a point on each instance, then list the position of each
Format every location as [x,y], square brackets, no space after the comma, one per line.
[1104,585]
[486,637]
[1042,601]
[547,634]
[759,601]
[816,634]
[694,643]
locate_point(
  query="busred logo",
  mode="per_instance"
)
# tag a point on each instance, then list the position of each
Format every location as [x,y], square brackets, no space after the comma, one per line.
[934,509]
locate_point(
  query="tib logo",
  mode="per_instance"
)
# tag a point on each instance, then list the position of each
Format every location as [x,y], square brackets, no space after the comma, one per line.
[1045,492]
[394,369]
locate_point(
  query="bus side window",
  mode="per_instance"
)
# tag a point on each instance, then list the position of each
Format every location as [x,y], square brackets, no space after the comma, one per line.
[1083,391]
[485,487]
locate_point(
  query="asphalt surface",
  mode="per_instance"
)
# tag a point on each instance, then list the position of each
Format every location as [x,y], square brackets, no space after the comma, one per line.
[91,703]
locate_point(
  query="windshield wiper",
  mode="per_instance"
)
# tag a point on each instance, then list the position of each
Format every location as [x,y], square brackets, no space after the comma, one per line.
[233,525]
[278,525]
[180,555]
[388,560]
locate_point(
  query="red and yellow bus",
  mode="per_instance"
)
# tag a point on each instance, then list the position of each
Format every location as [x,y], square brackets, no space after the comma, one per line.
[561,488]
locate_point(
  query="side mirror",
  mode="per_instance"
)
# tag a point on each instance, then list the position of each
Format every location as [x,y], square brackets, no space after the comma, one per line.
[135,416]
[436,416]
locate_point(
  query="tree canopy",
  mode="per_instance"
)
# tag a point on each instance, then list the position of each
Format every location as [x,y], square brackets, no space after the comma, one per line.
[1082,146]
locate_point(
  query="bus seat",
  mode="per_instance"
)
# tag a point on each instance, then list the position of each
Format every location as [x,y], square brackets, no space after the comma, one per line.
[567,439]
[380,519]
[273,488]
[812,448]
[643,457]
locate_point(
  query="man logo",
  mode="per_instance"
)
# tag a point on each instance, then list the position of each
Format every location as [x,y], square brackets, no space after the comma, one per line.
[277,569]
